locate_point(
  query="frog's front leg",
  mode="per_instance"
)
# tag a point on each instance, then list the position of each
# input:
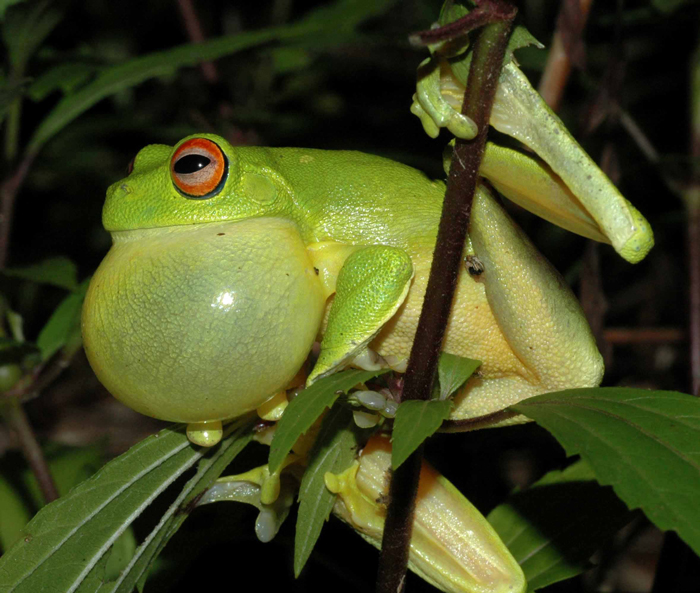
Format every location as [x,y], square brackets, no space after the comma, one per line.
[434,102]
[371,285]
[536,311]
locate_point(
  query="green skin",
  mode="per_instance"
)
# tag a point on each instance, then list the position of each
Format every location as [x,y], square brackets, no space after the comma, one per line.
[205,308]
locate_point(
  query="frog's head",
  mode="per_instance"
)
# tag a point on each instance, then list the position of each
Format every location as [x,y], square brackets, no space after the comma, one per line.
[200,179]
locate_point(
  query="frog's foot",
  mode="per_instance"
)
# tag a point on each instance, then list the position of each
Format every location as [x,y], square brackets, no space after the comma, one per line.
[568,189]
[374,405]
[272,494]
[274,407]
[371,286]
[520,112]
[369,360]
[205,434]
[438,99]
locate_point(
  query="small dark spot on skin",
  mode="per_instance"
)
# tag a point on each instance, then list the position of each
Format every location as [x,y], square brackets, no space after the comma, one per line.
[28,538]
[589,177]
[316,270]
[473,265]
[220,234]
[286,274]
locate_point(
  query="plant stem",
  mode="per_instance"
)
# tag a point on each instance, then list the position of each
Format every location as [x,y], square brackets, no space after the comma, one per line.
[563,52]
[195,32]
[8,192]
[691,197]
[489,52]
[18,421]
[12,130]
[694,277]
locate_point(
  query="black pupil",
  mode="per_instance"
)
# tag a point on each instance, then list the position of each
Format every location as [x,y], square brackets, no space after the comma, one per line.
[191,163]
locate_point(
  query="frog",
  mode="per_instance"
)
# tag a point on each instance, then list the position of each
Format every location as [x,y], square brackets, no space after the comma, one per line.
[229,263]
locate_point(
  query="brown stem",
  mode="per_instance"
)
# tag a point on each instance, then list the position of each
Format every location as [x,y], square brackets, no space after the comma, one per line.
[694,289]
[487,12]
[566,50]
[644,335]
[196,34]
[18,421]
[487,61]
[8,194]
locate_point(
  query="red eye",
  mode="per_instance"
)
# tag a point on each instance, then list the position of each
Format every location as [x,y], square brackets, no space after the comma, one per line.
[198,169]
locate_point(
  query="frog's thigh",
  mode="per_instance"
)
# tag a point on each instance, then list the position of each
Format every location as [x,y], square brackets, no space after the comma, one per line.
[472,330]
[536,312]
[371,286]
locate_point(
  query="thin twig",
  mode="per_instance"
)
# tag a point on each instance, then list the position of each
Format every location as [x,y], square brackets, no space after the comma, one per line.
[8,193]
[485,13]
[644,335]
[18,421]
[566,50]
[694,297]
[196,34]
[692,202]
[487,61]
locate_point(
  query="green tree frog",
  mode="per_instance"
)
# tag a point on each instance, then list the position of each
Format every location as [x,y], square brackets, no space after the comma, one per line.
[229,262]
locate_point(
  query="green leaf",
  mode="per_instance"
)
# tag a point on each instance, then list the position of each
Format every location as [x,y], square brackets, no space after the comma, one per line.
[66,77]
[9,92]
[25,28]
[341,15]
[15,513]
[669,6]
[453,372]
[14,352]
[63,327]
[57,271]
[415,421]
[69,467]
[208,470]
[119,556]
[306,407]
[66,543]
[16,324]
[642,443]
[20,495]
[554,526]
[520,38]
[5,4]
[333,451]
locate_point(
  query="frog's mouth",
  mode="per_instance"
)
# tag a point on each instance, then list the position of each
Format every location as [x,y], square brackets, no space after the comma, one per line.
[218,227]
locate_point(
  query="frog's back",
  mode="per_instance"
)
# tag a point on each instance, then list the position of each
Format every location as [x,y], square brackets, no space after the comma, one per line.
[359,198]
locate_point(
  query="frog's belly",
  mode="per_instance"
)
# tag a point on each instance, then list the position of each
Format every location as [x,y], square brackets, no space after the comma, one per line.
[472,331]
[204,322]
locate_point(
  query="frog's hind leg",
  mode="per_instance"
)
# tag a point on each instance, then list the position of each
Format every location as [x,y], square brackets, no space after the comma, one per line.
[371,286]
[536,311]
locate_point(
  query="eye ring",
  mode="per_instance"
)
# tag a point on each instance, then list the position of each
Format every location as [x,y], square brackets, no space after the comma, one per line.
[199,169]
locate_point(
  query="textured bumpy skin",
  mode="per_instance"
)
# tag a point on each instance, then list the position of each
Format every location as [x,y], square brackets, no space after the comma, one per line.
[315,227]
[202,323]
